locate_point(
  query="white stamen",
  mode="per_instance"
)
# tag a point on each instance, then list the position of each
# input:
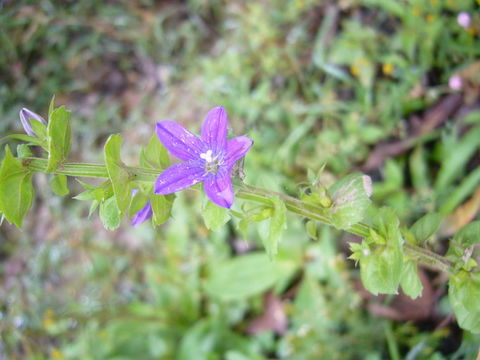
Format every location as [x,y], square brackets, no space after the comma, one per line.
[207,156]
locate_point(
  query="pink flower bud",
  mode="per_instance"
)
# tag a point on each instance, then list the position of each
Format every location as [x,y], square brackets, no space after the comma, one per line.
[464,20]
[455,82]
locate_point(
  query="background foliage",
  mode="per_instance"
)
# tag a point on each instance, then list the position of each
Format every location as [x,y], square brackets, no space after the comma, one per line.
[351,84]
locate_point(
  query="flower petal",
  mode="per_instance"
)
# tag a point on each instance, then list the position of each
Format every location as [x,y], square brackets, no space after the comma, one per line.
[214,129]
[179,141]
[25,116]
[178,177]
[218,188]
[237,148]
[143,215]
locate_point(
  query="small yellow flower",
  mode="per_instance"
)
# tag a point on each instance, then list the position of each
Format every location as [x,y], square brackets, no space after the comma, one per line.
[48,319]
[471,30]
[430,18]
[300,4]
[358,64]
[387,69]
[416,11]
[57,354]
[354,70]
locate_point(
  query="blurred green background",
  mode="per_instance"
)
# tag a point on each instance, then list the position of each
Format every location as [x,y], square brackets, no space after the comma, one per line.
[387,87]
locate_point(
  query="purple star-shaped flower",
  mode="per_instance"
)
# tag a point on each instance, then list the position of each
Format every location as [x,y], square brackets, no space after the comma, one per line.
[209,160]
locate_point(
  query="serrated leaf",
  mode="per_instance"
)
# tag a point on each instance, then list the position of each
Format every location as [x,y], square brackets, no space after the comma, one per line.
[426,226]
[410,282]
[59,138]
[463,295]
[161,208]
[351,199]
[381,265]
[58,184]
[118,173]
[380,271]
[154,155]
[16,189]
[215,216]
[467,237]
[278,223]
[110,214]
[241,277]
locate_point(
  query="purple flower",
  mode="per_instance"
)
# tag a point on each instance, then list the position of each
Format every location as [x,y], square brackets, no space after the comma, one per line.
[142,215]
[464,20]
[208,160]
[25,116]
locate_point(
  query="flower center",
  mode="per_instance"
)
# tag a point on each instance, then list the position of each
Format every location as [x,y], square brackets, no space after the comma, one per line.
[212,163]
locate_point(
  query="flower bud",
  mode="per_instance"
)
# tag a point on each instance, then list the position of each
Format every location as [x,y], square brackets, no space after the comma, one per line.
[25,116]
[464,20]
[455,83]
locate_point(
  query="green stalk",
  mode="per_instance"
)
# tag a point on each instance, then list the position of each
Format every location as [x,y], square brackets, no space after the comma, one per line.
[245,192]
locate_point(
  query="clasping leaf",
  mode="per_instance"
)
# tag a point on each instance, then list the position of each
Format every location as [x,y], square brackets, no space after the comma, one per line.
[16,189]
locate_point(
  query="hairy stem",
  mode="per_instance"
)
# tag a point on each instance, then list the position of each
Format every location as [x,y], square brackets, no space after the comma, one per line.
[245,192]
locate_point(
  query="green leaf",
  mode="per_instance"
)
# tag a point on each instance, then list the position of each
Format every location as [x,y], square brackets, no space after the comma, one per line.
[161,207]
[419,169]
[426,226]
[463,295]
[23,150]
[118,173]
[461,192]
[40,129]
[257,214]
[381,265]
[467,237]
[59,138]
[58,184]
[27,138]
[410,282]
[138,202]
[16,189]
[278,223]
[51,107]
[110,214]
[455,161]
[380,271]
[351,198]
[98,193]
[312,229]
[241,277]
[155,155]
[215,216]
[309,301]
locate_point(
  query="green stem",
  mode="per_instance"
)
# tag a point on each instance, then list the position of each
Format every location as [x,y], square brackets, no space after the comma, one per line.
[246,192]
